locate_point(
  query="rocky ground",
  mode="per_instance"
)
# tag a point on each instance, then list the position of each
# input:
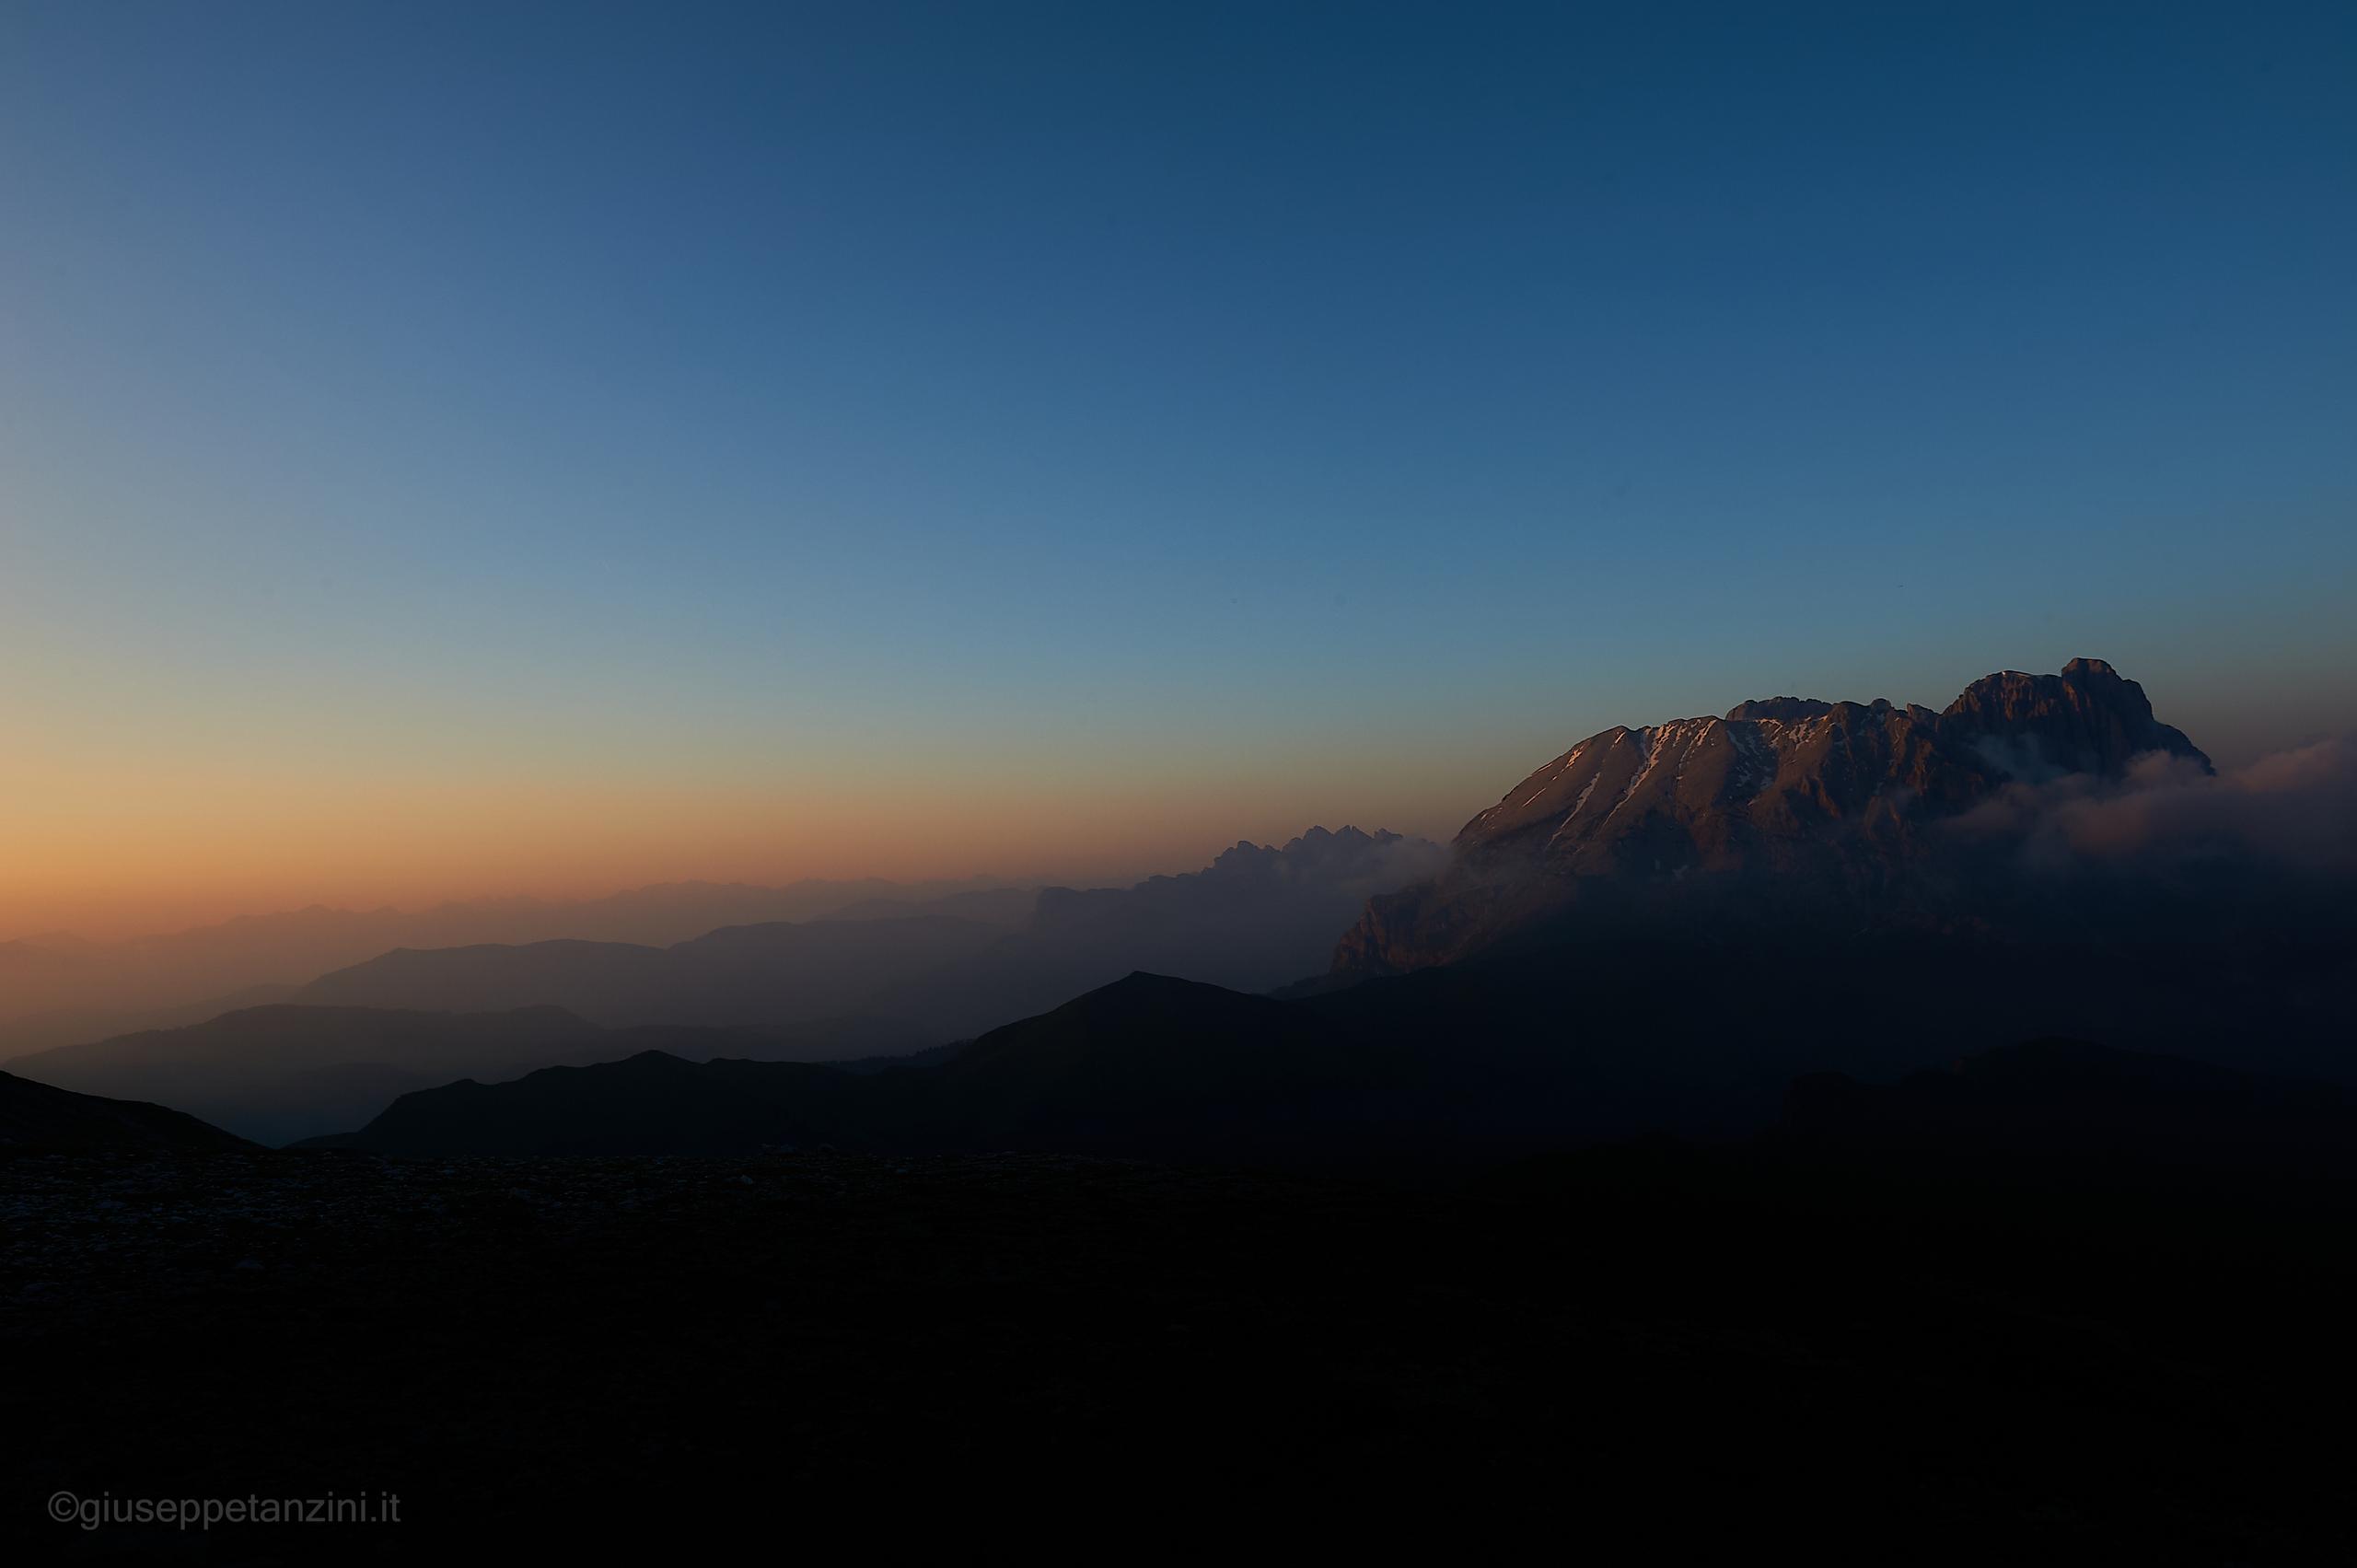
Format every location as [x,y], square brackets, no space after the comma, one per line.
[1637,1349]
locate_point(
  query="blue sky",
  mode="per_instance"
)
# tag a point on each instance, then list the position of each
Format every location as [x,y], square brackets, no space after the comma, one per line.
[1248,414]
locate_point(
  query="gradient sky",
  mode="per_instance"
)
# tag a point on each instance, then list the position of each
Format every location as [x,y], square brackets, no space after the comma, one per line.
[467,449]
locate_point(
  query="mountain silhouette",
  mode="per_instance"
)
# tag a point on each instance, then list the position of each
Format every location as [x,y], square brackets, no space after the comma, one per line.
[1467,1064]
[649,1103]
[878,976]
[280,1072]
[41,1116]
[1148,1065]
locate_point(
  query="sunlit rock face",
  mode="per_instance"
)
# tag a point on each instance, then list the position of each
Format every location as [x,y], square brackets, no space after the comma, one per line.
[1786,802]
[2087,720]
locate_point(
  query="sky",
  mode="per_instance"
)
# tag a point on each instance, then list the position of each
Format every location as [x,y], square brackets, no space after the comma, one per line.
[451,449]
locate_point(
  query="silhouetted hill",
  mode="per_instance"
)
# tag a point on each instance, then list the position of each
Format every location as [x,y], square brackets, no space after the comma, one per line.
[1149,1065]
[652,1103]
[279,1072]
[41,1116]
[1138,1061]
[1473,1064]
[1470,1065]
[1515,1051]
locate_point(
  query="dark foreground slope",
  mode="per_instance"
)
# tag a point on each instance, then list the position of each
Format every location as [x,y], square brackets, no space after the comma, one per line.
[1639,1352]
[278,1071]
[1149,1067]
[39,1116]
[651,1103]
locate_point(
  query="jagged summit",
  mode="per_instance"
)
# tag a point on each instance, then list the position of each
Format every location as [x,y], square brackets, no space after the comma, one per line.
[2088,719]
[1780,708]
[1830,797]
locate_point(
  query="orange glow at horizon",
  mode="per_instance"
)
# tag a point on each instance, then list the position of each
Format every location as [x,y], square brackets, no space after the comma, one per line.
[106,857]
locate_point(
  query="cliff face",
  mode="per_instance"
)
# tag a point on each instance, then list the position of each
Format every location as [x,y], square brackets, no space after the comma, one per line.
[2087,720]
[1793,799]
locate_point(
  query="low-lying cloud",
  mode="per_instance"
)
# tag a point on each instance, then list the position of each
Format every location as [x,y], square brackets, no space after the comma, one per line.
[2293,811]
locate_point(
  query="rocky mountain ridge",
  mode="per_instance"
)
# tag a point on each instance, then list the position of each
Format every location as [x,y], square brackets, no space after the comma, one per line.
[1800,799]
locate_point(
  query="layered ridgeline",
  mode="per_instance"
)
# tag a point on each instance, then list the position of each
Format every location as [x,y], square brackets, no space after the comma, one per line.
[1259,915]
[1787,805]
[58,988]
[887,975]
[277,1073]
[1660,930]
[907,976]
